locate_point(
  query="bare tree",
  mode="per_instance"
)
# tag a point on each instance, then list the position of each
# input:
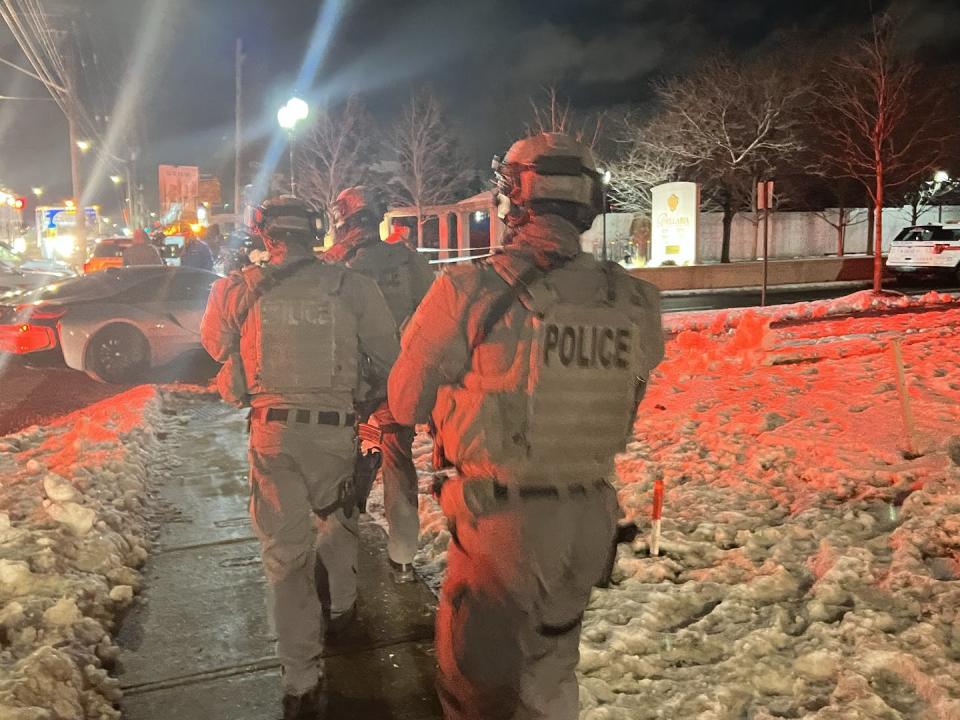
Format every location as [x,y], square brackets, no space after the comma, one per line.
[882,122]
[640,169]
[336,152]
[729,125]
[553,114]
[431,170]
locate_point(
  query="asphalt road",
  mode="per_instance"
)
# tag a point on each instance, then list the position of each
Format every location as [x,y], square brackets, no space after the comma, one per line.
[36,395]
[751,298]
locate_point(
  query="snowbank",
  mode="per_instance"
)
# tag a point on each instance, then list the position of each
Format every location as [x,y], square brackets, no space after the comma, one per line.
[811,564]
[73,530]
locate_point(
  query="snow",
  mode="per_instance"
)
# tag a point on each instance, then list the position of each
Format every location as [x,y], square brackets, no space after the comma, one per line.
[73,530]
[810,563]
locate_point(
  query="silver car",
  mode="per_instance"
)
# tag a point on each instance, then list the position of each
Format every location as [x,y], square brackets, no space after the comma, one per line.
[115,324]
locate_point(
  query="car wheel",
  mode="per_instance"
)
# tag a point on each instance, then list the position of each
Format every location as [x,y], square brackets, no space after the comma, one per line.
[118,354]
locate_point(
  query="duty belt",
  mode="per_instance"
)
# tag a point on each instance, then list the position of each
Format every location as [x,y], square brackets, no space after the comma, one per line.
[483,496]
[306,417]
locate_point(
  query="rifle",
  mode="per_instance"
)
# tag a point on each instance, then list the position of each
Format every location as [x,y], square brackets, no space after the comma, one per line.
[365,470]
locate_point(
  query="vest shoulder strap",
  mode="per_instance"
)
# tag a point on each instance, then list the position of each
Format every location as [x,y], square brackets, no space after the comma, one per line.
[516,287]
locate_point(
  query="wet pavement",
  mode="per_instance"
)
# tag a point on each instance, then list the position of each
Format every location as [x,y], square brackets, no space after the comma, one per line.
[198,646]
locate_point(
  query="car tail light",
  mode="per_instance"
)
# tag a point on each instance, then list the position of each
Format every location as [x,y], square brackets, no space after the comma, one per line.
[40,312]
[24,338]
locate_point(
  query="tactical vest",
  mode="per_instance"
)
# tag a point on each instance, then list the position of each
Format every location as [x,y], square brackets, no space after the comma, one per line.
[583,382]
[574,408]
[389,267]
[307,337]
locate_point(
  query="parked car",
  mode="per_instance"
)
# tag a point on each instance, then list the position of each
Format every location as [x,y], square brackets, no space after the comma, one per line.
[114,324]
[107,253]
[47,265]
[926,250]
[14,278]
[171,249]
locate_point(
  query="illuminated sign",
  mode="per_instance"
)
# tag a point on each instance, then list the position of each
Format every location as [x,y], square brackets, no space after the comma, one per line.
[675,224]
[179,186]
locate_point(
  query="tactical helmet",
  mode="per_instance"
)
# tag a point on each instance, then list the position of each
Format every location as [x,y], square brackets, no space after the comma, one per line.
[549,172]
[356,206]
[288,219]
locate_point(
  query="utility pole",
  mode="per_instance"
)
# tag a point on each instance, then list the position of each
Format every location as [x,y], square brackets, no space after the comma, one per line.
[237,210]
[70,67]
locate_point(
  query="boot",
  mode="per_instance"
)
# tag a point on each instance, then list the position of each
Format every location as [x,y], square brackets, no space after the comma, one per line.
[401,573]
[311,705]
[337,624]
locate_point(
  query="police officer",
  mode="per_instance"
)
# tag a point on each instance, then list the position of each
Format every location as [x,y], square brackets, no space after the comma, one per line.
[530,365]
[291,336]
[404,276]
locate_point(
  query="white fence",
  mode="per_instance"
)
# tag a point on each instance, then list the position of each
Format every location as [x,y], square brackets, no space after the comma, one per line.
[792,234]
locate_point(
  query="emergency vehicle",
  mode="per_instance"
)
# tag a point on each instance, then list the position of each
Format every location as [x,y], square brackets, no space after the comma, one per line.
[925,250]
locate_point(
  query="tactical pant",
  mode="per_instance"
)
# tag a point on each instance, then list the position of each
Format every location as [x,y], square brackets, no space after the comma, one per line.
[400,488]
[294,470]
[519,575]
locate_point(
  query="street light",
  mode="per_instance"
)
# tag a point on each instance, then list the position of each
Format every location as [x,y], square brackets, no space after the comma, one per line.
[84,145]
[116,179]
[605,180]
[288,116]
[940,178]
[38,191]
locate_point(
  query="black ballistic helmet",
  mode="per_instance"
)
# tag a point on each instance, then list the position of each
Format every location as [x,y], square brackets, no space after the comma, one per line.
[288,219]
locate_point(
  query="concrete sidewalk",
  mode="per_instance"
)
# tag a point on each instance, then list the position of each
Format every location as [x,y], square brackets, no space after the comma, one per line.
[198,648]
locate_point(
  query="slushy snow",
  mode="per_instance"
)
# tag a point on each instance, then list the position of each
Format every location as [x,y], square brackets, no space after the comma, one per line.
[811,544]
[73,530]
[810,561]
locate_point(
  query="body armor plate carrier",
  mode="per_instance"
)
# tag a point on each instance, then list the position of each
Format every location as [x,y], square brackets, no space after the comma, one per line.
[307,339]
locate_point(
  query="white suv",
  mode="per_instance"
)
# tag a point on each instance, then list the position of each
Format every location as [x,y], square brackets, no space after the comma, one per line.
[926,250]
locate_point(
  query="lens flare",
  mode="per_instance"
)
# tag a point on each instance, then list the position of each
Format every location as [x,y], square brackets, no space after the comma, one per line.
[152,40]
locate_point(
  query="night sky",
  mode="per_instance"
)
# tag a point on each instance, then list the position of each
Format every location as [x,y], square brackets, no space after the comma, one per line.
[484,59]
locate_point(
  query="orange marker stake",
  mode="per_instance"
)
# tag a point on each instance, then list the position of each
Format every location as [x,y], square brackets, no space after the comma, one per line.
[908,423]
[657,515]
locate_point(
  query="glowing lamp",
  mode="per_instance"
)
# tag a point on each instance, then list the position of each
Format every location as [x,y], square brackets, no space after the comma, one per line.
[285,118]
[64,245]
[298,109]
[293,112]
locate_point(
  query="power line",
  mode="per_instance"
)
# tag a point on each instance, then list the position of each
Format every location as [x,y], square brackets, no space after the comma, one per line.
[25,71]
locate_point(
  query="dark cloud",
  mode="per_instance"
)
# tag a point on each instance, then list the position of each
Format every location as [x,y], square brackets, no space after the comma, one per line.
[484,59]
